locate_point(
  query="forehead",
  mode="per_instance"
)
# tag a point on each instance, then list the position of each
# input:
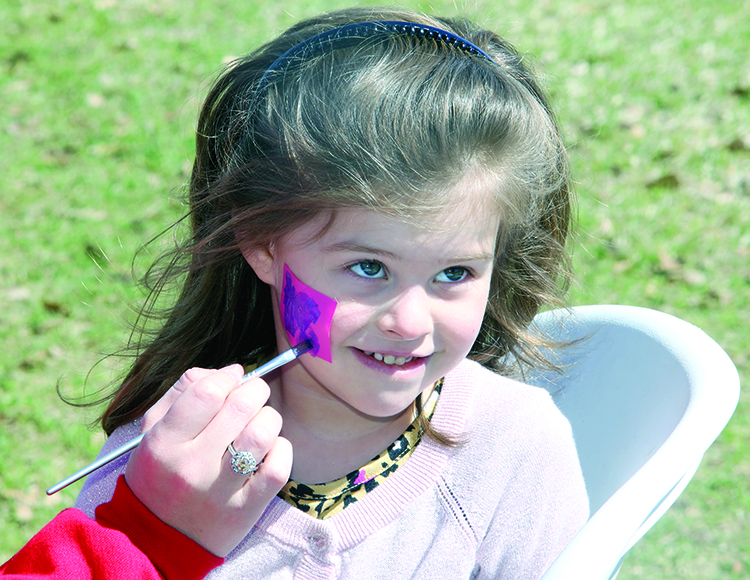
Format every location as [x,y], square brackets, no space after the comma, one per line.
[468,210]
[452,231]
[467,225]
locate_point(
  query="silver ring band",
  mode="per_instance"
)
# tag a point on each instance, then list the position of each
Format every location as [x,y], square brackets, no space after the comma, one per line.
[242,461]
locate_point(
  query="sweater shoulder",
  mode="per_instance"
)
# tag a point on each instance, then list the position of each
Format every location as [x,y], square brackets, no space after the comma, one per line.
[499,405]
[514,434]
[516,477]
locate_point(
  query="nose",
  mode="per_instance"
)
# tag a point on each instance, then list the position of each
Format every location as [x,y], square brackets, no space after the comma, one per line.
[407,316]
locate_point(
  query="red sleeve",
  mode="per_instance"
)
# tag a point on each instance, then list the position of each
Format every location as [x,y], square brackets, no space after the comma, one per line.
[125,541]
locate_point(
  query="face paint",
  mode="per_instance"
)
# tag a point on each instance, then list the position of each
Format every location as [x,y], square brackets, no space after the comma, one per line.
[306,314]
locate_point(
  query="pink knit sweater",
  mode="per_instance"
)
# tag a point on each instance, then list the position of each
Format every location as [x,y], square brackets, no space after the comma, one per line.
[501,505]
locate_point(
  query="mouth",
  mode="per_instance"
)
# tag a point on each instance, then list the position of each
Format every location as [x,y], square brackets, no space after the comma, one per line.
[390,359]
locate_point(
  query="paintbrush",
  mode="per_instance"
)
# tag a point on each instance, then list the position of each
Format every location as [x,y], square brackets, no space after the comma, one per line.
[284,358]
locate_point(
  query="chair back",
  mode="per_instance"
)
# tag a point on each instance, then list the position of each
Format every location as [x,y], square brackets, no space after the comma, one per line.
[646,394]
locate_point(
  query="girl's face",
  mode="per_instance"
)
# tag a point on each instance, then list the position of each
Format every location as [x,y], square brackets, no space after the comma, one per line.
[411,299]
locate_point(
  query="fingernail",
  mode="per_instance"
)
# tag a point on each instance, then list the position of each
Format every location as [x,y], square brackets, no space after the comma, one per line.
[235,371]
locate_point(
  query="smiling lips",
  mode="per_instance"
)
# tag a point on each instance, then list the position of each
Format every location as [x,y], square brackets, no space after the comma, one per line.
[390,359]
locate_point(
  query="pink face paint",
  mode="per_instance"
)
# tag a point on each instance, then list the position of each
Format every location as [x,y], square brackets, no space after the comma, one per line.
[306,314]
[361,477]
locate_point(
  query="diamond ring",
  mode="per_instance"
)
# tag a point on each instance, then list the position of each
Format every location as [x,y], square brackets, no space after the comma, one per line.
[242,461]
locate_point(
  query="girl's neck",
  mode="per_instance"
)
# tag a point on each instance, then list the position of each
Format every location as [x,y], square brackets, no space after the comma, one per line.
[330,438]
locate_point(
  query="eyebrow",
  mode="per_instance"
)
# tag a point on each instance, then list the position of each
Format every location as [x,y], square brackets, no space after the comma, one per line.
[351,246]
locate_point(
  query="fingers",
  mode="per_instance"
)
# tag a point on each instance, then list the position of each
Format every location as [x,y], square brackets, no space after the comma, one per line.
[207,410]
[257,438]
[244,409]
[256,490]
[194,403]
[162,405]
[182,470]
[274,473]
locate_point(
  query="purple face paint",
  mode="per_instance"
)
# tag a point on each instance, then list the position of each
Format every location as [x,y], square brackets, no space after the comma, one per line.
[306,314]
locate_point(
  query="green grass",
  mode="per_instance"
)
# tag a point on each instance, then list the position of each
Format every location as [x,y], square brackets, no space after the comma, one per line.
[99,100]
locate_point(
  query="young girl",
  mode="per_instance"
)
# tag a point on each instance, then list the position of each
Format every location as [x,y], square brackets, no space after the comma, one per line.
[393,187]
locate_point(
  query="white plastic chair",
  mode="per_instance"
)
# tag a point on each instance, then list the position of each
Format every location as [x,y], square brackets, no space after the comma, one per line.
[646,394]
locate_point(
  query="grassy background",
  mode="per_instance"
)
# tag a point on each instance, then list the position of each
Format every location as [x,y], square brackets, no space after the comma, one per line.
[99,99]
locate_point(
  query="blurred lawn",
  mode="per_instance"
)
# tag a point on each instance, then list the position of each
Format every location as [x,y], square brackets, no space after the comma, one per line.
[99,100]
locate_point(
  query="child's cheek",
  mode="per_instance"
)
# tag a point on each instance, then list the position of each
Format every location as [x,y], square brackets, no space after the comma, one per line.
[307,315]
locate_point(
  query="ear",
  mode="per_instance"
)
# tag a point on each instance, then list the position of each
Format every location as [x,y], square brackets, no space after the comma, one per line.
[263,262]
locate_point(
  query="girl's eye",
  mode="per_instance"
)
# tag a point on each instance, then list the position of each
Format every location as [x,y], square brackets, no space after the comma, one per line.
[368,269]
[453,274]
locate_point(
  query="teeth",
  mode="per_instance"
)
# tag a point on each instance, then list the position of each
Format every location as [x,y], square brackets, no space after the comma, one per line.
[389,359]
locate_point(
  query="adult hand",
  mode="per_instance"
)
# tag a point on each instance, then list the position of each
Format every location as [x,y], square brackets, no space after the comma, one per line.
[181,470]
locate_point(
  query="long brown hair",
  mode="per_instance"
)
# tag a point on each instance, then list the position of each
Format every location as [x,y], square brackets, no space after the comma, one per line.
[387,124]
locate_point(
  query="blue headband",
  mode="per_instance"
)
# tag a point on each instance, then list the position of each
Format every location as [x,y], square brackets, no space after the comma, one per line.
[361,30]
